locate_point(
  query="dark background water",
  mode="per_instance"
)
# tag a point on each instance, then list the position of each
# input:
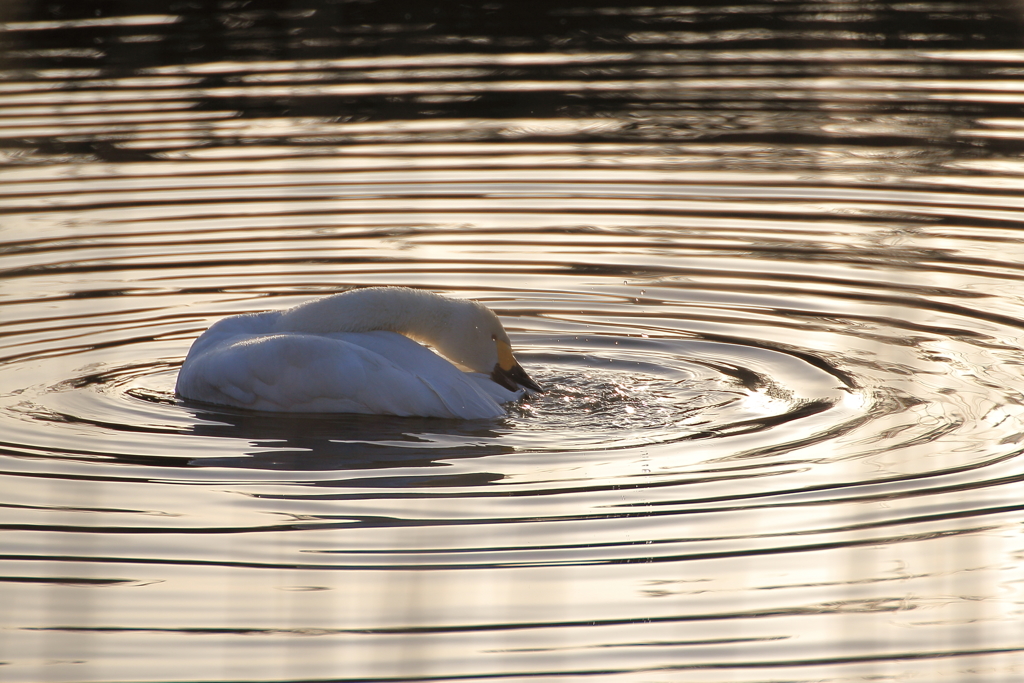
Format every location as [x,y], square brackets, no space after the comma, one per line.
[708,71]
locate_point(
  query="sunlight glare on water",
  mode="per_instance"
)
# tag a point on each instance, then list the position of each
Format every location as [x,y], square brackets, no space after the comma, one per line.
[763,258]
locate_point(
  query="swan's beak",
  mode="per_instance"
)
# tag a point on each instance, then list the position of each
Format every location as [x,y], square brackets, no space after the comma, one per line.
[509,373]
[514,378]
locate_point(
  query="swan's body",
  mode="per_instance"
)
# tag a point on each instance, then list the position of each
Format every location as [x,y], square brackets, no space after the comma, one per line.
[355,353]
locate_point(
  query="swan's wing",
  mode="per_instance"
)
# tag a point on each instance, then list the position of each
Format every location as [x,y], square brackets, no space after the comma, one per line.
[376,372]
[460,393]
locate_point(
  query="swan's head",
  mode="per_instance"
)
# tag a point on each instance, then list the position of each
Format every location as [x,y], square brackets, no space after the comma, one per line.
[477,341]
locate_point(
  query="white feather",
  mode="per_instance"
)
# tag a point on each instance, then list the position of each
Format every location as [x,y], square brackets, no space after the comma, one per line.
[308,359]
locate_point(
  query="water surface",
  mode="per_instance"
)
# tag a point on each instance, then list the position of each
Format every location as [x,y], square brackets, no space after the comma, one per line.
[765,258]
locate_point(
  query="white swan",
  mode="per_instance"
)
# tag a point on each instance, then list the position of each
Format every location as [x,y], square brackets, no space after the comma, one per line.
[355,352]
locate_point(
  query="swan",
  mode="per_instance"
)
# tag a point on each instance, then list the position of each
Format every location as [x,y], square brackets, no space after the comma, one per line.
[359,352]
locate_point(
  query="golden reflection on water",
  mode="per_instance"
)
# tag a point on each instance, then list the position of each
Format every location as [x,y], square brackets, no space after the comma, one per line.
[766,268]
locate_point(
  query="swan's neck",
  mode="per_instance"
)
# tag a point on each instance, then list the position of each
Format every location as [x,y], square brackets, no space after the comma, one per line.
[420,315]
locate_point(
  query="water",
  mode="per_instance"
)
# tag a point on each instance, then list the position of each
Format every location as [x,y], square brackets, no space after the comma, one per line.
[766,258]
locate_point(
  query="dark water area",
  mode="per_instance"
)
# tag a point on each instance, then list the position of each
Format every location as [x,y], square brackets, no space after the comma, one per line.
[765,257]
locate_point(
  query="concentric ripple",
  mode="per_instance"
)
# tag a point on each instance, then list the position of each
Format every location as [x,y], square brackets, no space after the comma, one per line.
[736,334]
